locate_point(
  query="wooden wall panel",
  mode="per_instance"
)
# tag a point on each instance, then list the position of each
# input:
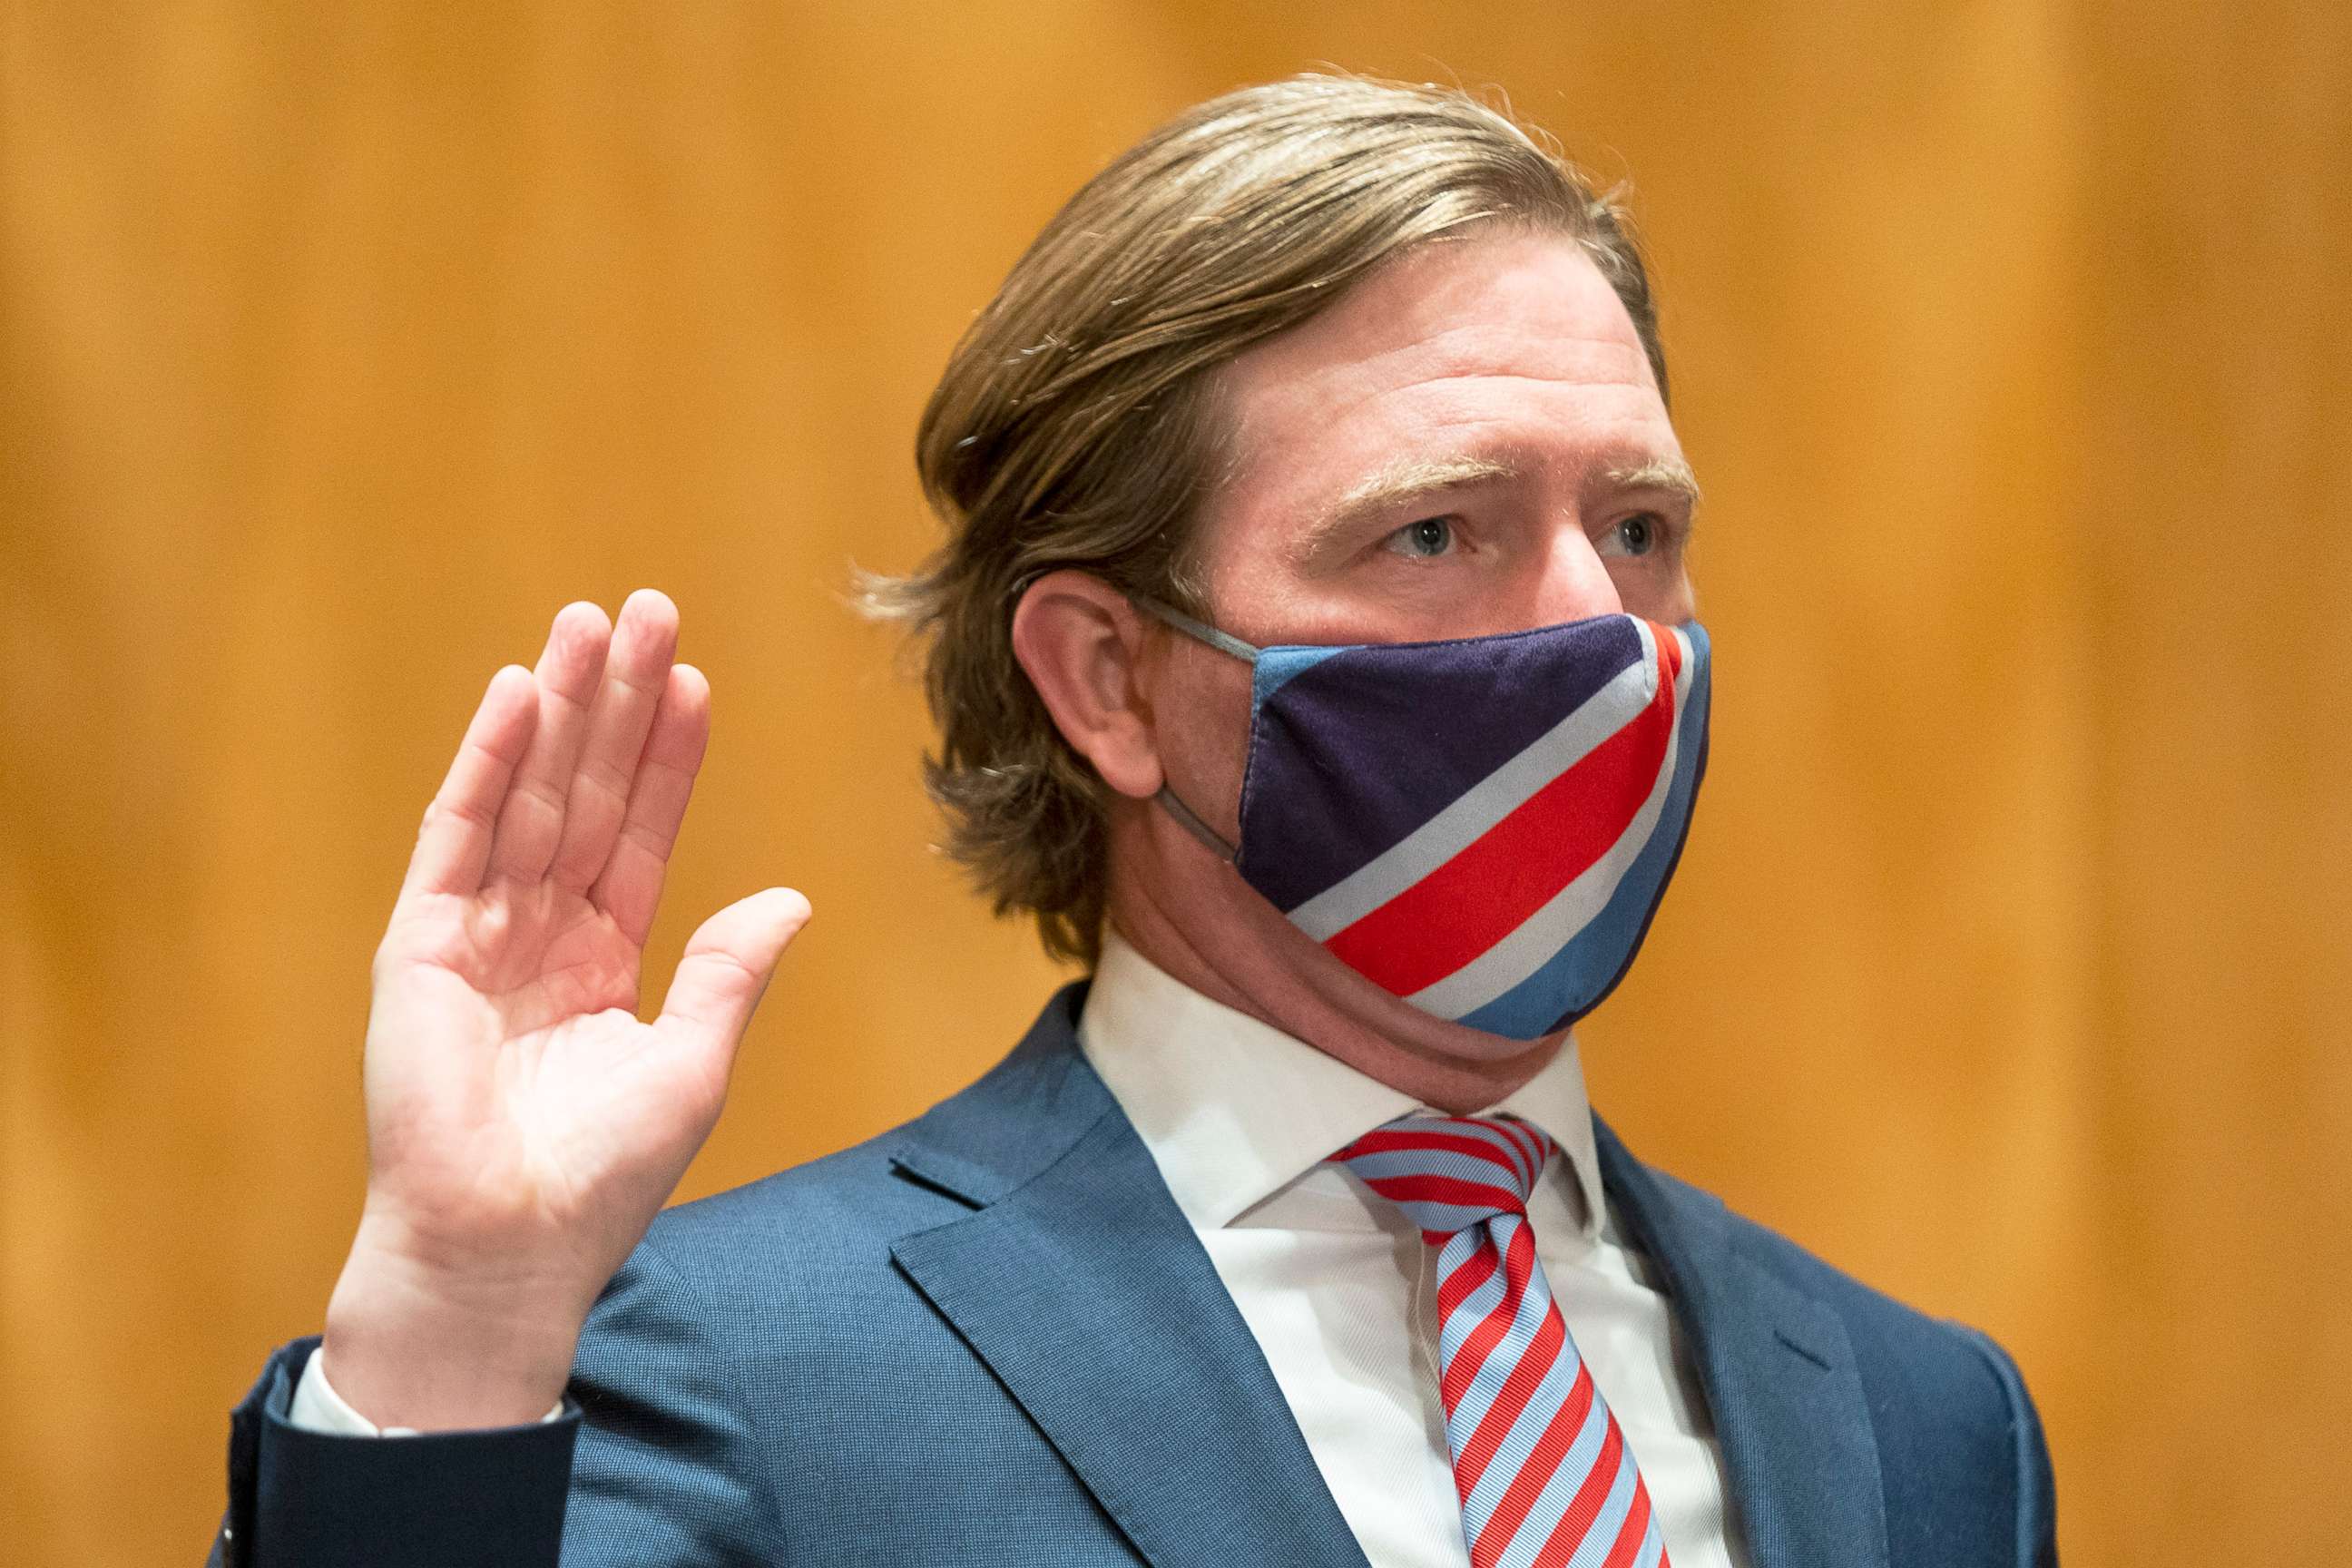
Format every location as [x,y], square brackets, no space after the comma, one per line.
[2217,330]
[2008,968]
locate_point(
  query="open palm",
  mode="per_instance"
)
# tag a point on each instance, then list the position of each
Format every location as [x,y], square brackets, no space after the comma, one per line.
[524,1126]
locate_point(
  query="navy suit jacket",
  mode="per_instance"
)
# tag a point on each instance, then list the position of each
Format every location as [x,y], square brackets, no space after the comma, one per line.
[990,1336]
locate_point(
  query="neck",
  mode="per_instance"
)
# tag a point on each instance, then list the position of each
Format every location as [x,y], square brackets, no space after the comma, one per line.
[1194,917]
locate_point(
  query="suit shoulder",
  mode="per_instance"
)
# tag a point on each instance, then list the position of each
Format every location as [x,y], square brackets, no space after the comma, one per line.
[1958,1435]
[843,1198]
[778,1266]
[1960,1447]
[1911,1358]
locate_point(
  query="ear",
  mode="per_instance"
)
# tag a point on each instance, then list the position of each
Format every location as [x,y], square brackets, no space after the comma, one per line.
[1078,640]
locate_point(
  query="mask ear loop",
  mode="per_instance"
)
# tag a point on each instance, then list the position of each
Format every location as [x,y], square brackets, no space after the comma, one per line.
[1192,824]
[1223,642]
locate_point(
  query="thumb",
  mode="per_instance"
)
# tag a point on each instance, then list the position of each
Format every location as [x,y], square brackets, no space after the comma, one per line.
[727,964]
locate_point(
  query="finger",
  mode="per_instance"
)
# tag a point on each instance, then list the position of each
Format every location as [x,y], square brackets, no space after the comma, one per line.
[630,887]
[530,824]
[454,844]
[637,671]
[726,965]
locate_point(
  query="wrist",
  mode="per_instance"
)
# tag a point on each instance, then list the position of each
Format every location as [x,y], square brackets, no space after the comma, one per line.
[410,1349]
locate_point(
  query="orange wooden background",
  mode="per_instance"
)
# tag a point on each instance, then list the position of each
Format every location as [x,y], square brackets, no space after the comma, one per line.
[2008,967]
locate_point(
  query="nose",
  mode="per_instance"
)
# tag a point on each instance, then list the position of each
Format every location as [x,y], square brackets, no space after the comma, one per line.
[1571,581]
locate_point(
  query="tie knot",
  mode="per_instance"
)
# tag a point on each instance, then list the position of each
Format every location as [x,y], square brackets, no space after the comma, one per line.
[1450,1173]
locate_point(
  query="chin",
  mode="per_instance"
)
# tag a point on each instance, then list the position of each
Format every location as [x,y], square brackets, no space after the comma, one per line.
[1293,982]
[1366,1005]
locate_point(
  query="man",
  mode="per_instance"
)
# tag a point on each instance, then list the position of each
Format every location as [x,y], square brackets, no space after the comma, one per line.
[1314,654]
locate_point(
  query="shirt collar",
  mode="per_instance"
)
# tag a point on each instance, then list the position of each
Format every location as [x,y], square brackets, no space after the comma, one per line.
[1233,1110]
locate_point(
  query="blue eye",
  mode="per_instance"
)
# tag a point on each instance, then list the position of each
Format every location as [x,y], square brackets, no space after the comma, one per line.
[1431,537]
[1636,536]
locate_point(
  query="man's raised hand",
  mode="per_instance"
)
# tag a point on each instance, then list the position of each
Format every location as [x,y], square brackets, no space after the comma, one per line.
[524,1127]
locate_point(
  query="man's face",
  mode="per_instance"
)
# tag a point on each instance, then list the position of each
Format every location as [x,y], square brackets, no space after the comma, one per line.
[1469,442]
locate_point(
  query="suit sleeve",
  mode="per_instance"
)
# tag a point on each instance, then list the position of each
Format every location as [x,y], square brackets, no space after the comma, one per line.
[317,1408]
[458,1498]
[2037,1490]
[655,1463]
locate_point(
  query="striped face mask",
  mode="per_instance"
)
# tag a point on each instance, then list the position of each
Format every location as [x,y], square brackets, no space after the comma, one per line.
[1483,827]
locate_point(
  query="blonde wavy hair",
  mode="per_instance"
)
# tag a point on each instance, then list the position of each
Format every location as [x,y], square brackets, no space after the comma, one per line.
[1072,425]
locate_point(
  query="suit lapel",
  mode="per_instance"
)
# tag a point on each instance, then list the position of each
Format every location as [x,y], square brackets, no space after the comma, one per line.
[1780,1375]
[1082,1286]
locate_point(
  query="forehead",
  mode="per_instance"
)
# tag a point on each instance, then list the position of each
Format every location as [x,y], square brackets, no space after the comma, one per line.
[1459,348]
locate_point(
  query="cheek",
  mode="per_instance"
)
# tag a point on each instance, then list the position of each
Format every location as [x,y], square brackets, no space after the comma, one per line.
[1660,594]
[1203,723]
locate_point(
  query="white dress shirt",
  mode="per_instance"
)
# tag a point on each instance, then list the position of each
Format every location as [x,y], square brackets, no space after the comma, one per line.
[1338,1286]
[1341,1289]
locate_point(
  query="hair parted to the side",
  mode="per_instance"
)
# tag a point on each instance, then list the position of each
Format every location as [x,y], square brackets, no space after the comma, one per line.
[1071,426]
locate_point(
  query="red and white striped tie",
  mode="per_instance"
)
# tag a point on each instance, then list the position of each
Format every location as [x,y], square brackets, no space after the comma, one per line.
[1544,1477]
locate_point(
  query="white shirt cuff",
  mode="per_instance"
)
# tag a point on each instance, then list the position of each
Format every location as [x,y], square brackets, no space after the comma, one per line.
[317,1408]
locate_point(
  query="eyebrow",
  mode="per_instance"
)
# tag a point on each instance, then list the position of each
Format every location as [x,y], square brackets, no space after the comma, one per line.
[1392,488]
[1395,488]
[1669,474]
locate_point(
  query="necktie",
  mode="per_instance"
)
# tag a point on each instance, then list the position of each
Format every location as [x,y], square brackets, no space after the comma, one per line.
[1544,1477]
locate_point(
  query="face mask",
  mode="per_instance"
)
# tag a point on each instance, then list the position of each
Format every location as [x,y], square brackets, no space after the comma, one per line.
[1483,827]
